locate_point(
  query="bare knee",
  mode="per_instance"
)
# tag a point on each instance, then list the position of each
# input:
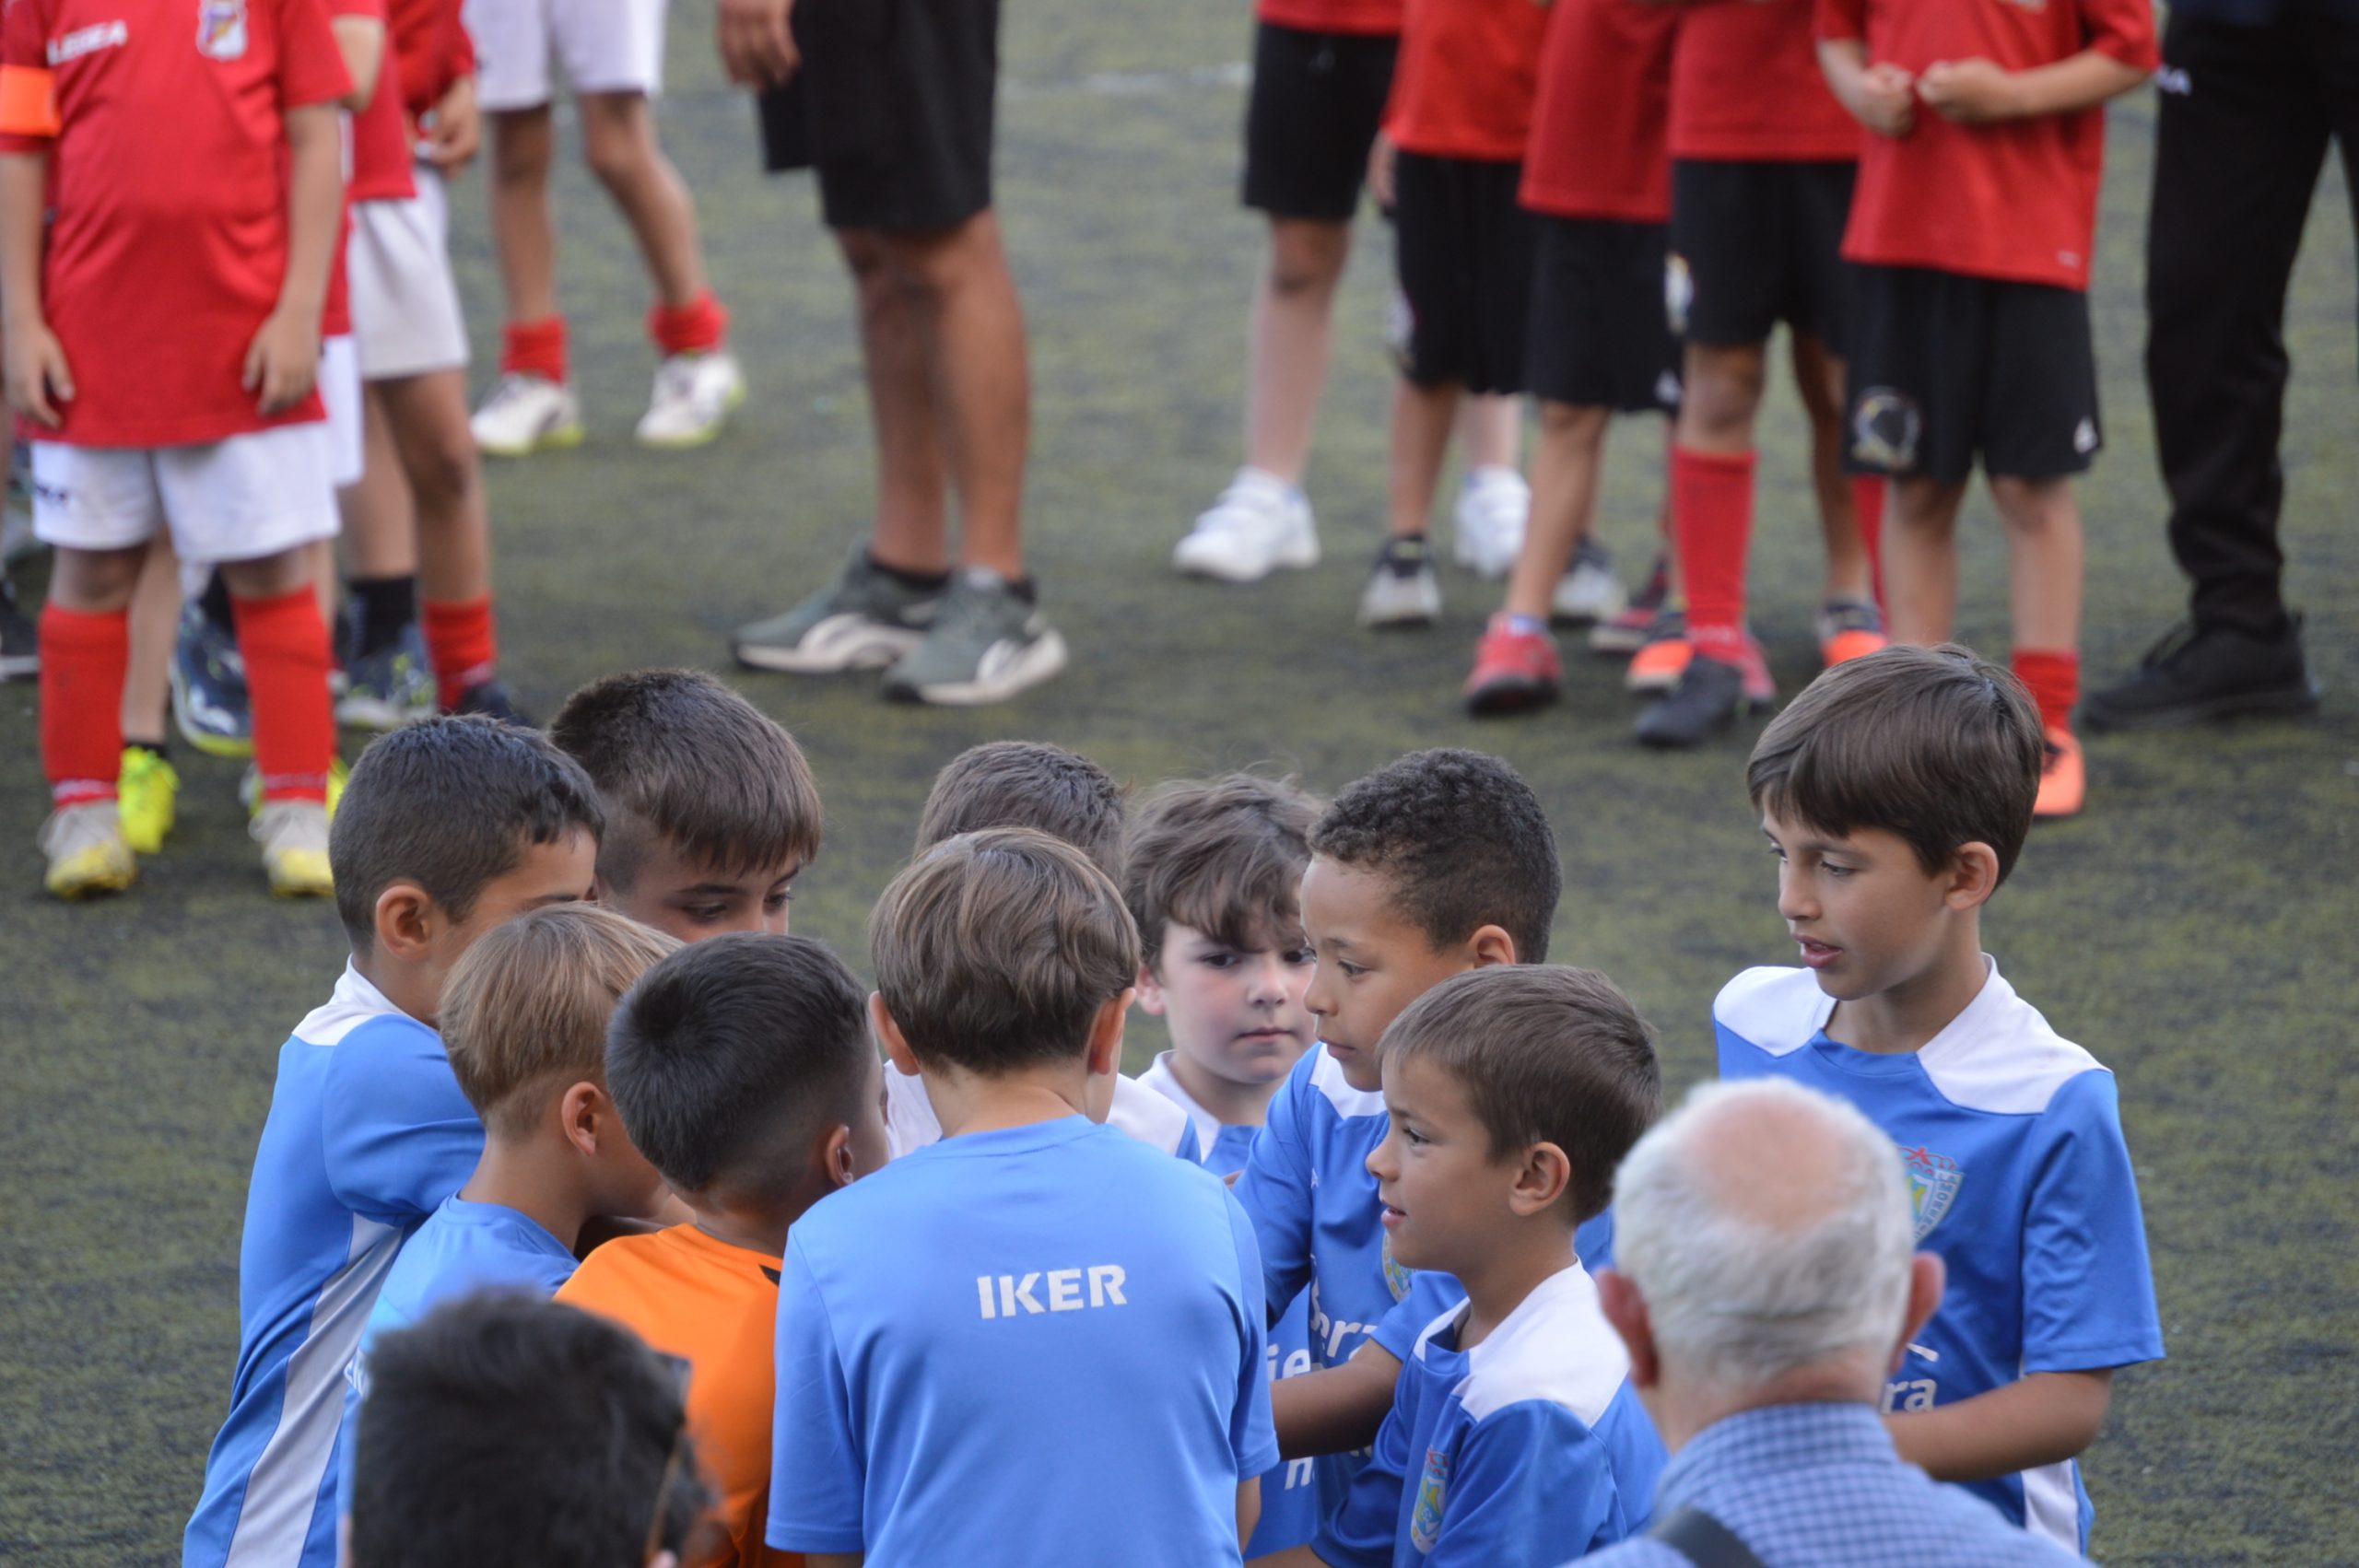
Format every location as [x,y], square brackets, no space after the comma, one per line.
[1305,258]
[1722,392]
[2032,506]
[95,581]
[618,137]
[521,147]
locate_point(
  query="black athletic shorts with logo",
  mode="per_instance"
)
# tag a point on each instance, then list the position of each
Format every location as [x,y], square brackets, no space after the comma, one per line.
[1945,368]
[1753,244]
[893,107]
[1600,336]
[1463,246]
[1311,117]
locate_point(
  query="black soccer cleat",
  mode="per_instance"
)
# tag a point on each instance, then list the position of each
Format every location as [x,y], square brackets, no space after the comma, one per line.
[2197,672]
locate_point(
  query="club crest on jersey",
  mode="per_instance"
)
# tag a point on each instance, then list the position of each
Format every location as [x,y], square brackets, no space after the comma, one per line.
[1885,429]
[1396,1276]
[1433,1489]
[221,28]
[1933,1181]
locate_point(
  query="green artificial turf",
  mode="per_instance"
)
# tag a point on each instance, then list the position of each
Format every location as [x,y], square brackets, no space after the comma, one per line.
[2195,930]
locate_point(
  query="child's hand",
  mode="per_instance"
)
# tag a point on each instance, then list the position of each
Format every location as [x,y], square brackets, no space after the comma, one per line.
[283,362]
[37,374]
[454,130]
[1887,99]
[1970,92]
[1380,170]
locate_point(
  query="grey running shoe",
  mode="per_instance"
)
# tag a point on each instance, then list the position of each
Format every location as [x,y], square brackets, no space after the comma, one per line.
[988,644]
[864,620]
[390,688]
[1402,591]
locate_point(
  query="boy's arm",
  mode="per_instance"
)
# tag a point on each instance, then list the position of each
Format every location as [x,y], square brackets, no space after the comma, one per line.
[283,362]
[37,372]
[1977,92]
[1274,1189]
[1882,97]
[396,1135]
[2038,1420]
[757,39]
[1336,1409]
[360,39]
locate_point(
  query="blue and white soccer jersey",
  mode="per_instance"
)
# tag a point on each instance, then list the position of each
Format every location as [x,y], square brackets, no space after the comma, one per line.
[910,1124]
[366,1135]
[2022,1183]
[463,1247]
[1289,1492]
[1036,1344]
[1528,1450]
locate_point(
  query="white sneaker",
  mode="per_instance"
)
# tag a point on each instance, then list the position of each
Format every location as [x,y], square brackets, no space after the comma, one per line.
[1589,591]
[526,413]
[1492,509]
[1401,592]
[294,840]
[1259,523]
[694,394]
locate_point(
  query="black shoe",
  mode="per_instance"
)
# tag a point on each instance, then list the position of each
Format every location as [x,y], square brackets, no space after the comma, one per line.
[1710,695]
[2197,672]
[19,640]
[491,699]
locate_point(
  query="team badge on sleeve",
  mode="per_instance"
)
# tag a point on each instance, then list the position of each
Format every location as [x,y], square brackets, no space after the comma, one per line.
[1433,1489]
[1933,1181]
[221,28]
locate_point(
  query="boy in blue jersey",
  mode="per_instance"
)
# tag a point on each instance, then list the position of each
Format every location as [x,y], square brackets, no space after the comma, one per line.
[524,1020]
[1516,1439]
[1068,797]
[1897,792]
[1212,874]
[447,829]
[712,811]
[1436,863]
[1036,1339]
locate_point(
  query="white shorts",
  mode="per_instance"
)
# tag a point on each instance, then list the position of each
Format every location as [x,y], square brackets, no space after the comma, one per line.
[605,46]
[236,499]
[406,318]
[340,393]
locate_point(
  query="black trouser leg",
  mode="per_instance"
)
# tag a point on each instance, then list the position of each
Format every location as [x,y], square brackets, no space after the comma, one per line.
[2242,133]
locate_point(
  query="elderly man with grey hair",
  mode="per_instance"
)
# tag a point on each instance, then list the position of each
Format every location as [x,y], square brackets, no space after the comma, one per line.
[1765,1284]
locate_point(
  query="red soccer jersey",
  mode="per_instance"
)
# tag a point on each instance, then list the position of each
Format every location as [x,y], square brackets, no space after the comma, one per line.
[431,50]
[2017,199]
[380,150]
[1467,73]
[1600,129]
[1378,18]
[1746,87]
[167,243]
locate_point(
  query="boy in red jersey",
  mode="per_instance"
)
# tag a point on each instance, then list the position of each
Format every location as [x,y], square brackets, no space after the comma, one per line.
[177,395]
[1597,177]
[1973,225]
[1449,160]
[1763,160]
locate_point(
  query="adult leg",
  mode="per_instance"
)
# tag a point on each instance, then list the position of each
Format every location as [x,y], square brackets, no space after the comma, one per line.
[1291,340]
[912,469]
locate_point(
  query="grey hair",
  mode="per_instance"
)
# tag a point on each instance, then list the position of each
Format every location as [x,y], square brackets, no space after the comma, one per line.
[1749,1275]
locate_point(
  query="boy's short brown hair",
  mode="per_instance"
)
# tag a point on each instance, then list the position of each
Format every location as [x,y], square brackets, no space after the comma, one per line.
[1546,1054]
[995,950]
[1461,840]
[679,756]
[1225,858]
[525,1011]
[1933,744]
[1027,784]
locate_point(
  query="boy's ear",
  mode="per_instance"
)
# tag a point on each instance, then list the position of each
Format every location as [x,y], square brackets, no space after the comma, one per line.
[1490,946]
[1973,876]
[1150,992]
[407,921]
[1105,1033]
[1540,1180]
[586,1114]
[835,1156]
[889,1035]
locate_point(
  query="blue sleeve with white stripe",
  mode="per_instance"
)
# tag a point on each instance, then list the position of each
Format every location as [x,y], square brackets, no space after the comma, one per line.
[1252,1434]
[1528,1487]
[397,1135]
[2088,1289]
[1275,1191]
[819,1477]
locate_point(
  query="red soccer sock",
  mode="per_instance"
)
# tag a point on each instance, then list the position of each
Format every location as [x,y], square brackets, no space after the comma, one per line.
[460,644]
[285,645]
[2054,678]
[1712,509]
[1867,500]
[84,658]
[697,327]
[535,349]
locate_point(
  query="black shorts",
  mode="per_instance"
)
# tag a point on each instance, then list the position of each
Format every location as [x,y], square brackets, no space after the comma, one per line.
[1316,101]
[1753,244]
[1600,336]
[893,107]
[1945,368]
[1462,247]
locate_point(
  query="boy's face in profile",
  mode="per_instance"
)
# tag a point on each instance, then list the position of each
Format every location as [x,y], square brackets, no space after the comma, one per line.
[1444,1196]
[562,871]
[691,900]
[1865,913]
[1371,963]
[1236,1013]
